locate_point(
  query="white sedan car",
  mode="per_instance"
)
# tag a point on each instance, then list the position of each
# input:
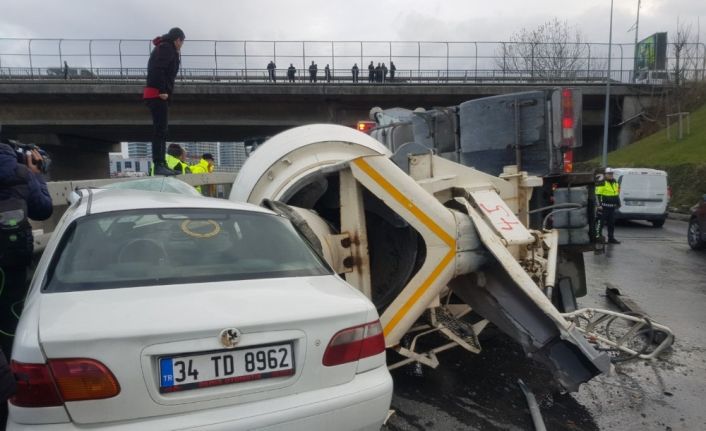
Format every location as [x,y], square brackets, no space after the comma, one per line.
[158,311]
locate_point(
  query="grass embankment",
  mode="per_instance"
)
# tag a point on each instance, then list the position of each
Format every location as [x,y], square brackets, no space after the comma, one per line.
[684,161]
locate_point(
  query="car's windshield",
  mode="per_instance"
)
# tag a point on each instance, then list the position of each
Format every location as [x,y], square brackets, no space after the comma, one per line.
[173,246]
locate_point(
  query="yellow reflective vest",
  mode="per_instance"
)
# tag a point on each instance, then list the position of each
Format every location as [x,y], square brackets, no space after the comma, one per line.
[200,168]
[174,164]
[608,194]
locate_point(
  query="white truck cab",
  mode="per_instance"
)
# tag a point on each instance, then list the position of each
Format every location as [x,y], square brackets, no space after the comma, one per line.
[644,195]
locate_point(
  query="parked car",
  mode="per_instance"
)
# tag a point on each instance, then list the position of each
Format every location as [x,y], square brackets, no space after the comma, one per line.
[160,311]
[697,226]
[644,195]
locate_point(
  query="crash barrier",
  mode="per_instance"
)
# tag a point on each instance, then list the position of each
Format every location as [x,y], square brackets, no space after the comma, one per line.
[60,192]
[416,61]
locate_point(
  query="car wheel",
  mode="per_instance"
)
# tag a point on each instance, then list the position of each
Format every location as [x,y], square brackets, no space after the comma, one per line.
[694,235]
[658,223]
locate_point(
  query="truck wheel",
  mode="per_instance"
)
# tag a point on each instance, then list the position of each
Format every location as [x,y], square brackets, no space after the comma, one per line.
[658,223]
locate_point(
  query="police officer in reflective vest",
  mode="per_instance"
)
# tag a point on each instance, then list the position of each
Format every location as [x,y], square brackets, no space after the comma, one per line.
[607,202]
[175,160]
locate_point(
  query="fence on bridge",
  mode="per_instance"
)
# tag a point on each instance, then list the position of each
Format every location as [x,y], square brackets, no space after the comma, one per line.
[124,60]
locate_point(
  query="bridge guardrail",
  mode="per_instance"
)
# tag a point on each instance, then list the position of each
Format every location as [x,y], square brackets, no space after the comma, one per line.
[340,76]
[245,61]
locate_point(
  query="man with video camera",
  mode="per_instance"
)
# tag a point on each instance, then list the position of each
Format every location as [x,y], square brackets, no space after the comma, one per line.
[23,196]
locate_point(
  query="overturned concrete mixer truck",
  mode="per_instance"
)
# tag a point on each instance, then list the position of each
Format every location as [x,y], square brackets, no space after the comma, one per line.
[442,248]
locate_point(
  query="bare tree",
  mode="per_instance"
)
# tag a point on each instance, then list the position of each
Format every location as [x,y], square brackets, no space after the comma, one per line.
[552,50]
[684,49]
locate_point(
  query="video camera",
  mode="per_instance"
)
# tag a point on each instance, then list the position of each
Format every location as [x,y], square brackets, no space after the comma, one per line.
[22,150]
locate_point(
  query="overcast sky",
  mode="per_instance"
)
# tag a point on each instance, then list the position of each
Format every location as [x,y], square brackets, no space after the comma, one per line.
[444,20]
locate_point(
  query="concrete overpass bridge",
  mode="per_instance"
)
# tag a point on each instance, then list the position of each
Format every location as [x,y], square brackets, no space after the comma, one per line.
[81,111]
[83,120]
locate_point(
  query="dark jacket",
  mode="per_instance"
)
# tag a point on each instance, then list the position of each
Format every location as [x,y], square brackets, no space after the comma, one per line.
[16,180]
[19,187]
[163,66]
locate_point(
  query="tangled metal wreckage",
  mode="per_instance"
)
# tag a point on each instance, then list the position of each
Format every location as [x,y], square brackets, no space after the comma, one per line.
[440,248]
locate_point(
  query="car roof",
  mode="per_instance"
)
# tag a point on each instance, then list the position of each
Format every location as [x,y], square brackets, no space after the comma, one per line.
[108,200]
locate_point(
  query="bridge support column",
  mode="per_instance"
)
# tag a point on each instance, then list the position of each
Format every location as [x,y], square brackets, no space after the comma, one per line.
[632,107]
[74,158]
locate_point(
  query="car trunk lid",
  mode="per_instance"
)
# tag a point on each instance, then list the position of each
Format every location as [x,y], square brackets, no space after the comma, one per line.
[130,330]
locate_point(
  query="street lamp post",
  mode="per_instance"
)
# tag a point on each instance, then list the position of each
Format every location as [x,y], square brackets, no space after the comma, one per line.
[607,92]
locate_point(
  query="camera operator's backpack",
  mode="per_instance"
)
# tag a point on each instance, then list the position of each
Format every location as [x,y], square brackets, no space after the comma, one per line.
[15,230]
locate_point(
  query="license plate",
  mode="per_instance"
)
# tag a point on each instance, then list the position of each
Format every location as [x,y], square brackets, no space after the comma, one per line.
[223,367]
[636,203]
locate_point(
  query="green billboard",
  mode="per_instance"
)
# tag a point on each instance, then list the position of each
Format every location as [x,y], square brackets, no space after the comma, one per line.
[651,53]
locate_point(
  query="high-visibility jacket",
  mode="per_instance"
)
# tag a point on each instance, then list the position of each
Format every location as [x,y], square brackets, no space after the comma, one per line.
[608,194]
[174,164]
[201,167]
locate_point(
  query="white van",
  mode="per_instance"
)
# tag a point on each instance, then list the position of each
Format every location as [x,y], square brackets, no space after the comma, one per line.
[644,195]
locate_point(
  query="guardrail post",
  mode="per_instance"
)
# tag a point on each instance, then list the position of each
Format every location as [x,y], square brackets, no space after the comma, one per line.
[90,54]
[621,61]
[31,66]
[532,64]
[361,56]
[120,54]
[476,59]
[447,61]
[419,61]
[333,61]
[215,55]
[245,58]
[588,72]
[61,59]
[504,58]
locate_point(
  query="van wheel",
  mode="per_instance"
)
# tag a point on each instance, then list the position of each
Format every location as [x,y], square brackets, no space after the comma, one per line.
[658,223]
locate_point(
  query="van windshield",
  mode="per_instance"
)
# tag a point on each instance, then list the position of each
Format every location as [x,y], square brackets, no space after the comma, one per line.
[175,246]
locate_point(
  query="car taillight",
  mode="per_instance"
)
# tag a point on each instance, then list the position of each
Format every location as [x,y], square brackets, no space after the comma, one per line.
[365,126]
[83,379]
[669,191]
[353,344]
[62,380]
[567,118]
[568,161]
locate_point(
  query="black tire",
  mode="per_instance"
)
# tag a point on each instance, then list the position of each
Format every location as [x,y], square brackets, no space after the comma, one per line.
[658,223]
[693,235]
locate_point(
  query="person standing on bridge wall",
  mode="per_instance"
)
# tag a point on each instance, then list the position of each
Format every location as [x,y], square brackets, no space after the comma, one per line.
[354,72]
[313,70]
[371,72]
[327,73]
[392,71]
[271,68]
[291,71]
[162,69]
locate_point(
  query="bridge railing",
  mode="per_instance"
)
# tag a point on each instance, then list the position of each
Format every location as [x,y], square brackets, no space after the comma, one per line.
[195,76]
[416,61]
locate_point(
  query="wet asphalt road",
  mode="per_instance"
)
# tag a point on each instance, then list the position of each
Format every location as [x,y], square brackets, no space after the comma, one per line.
[655,268]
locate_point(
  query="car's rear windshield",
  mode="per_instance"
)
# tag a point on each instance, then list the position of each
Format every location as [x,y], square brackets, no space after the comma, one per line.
[175,246]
